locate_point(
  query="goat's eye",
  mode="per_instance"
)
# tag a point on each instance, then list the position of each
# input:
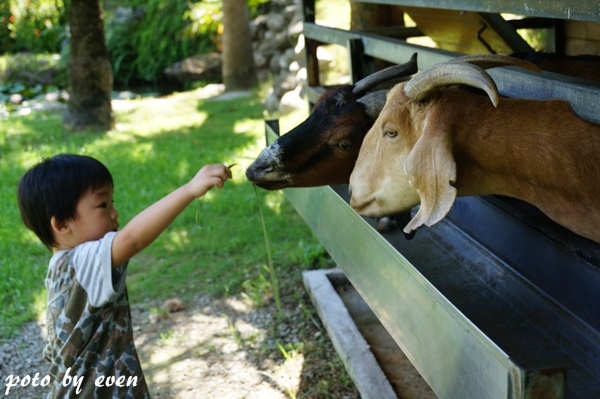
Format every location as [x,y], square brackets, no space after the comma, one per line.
[391,133]
[345,146]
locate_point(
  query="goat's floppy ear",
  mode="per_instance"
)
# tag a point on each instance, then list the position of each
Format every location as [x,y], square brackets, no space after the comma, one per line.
[432,170]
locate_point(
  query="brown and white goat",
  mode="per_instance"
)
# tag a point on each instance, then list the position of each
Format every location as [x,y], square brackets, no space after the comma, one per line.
[432,142]
[322,150]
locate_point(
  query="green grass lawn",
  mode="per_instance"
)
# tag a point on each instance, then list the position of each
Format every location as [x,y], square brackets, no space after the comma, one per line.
[216,246]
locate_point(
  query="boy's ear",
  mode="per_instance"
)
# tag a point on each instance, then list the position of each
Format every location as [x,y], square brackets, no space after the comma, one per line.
[59,227]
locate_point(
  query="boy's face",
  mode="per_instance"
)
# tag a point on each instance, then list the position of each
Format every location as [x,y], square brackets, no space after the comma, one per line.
[96,216]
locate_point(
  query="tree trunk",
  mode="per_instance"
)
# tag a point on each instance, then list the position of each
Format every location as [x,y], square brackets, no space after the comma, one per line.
[239,71]
[90,70]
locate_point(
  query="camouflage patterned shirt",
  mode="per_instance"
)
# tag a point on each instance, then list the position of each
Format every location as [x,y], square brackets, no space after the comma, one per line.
[90,336]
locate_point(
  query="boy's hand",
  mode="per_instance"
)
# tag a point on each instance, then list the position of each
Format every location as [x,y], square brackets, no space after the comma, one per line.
[208,177]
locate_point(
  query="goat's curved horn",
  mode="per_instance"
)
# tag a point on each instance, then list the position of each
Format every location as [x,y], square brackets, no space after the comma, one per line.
[374,102]
[449,73]
[458,71]
[487,61]
[389,73]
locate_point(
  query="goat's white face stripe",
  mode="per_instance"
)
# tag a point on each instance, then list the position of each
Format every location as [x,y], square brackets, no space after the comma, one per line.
[272,156]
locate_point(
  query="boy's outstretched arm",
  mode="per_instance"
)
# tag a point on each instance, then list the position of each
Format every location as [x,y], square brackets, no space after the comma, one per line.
[147,225]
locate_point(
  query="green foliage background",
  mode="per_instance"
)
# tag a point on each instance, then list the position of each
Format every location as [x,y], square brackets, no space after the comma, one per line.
[215,246]
[36,26]
[162,33]
[156,34]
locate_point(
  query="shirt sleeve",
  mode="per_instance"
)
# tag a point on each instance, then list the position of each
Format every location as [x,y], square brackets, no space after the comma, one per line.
[92,262]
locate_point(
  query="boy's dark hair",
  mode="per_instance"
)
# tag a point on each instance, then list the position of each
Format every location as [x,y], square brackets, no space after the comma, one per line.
[53,188]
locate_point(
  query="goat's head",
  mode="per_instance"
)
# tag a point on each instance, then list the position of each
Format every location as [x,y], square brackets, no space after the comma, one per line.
[322,150]
[406,157]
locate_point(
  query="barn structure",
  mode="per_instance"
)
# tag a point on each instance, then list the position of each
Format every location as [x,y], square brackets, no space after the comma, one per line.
[495,301]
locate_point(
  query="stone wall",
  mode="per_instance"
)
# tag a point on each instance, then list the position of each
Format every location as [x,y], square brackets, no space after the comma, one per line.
[279,53]
[279,56]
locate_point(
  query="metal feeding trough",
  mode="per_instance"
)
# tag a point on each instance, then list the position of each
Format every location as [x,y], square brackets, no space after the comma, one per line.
[484,304]
[495,301]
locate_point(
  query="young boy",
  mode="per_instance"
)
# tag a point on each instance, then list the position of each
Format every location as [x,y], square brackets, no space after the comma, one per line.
[67,201]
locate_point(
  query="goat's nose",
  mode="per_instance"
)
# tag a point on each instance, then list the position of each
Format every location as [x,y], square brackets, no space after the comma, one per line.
[257,173]
[350,191]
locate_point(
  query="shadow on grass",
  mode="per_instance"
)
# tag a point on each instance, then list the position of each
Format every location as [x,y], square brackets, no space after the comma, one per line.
[215,246]
[144,168]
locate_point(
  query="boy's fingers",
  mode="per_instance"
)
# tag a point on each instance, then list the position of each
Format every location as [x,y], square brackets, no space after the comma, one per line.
[219,171]
[225,176]
[220,182]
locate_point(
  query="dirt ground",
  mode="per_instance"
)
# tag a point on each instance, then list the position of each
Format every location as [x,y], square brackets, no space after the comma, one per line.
[214,348]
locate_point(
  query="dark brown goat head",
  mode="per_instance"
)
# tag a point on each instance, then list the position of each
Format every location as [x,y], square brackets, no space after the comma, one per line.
[323,149]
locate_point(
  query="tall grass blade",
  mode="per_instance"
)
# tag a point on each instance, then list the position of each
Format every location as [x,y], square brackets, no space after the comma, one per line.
[270,266]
